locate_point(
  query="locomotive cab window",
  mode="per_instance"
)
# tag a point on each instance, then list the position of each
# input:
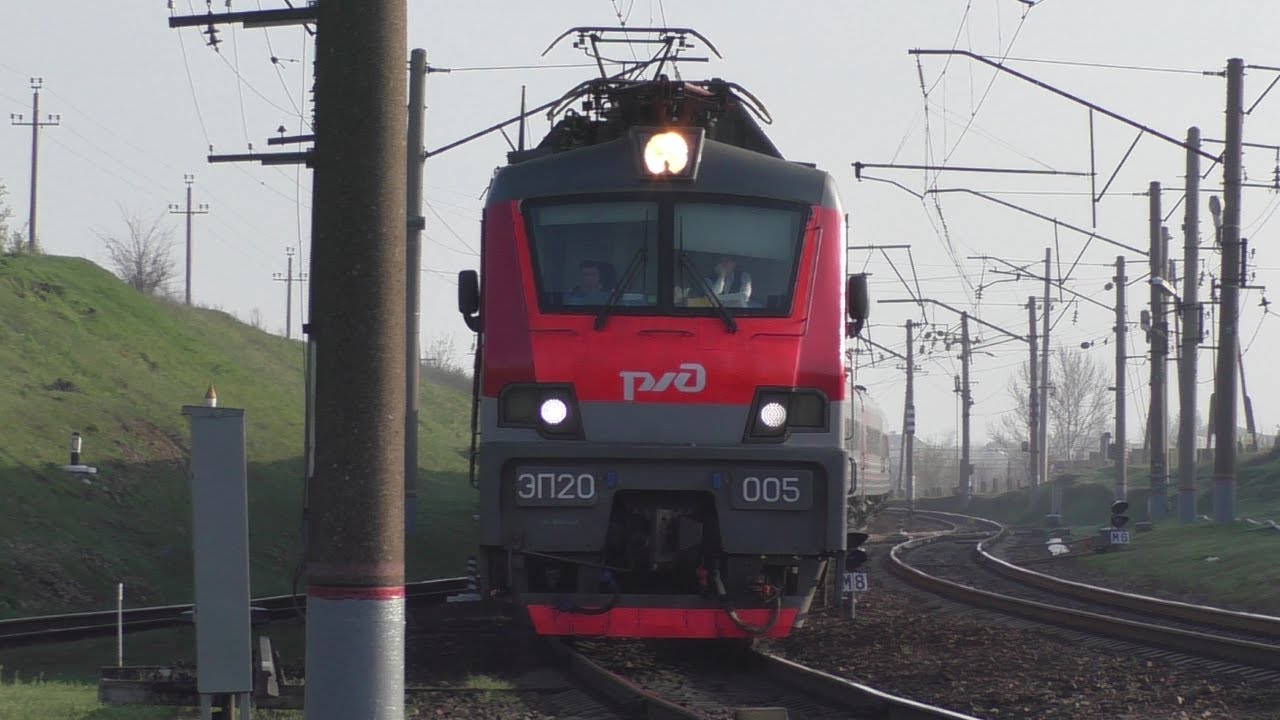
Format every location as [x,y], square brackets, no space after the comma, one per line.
[583,252]
[745,254]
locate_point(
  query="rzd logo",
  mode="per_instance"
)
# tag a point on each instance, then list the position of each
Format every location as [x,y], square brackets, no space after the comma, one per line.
[690,378]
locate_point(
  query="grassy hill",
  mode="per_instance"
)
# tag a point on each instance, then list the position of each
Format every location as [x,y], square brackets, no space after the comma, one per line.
[81,351]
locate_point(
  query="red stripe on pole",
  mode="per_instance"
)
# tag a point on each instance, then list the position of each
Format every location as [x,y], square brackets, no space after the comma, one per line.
[327,592]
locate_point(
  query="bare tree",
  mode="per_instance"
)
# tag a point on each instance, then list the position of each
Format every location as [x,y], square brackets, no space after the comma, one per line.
[1079,404]
[441,364]
[143,256]
[1080,407]
[12,242]
[935,465]
[442,354]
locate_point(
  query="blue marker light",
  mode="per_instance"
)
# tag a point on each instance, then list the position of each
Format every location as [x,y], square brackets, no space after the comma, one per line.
[611,479]
[717,480]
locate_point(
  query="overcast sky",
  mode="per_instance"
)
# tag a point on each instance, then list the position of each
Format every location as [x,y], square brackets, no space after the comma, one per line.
[140,104]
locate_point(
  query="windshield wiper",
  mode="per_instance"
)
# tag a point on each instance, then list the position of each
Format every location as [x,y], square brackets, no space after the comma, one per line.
[636,261]
[729,323]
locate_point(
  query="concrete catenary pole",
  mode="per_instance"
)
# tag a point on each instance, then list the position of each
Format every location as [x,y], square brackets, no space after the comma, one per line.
[288,279]
[966,469]
[36,123]
[909,423]
[1190,333]
[1033,420]
[1224,385]
[1121,440]
[416,157]
[355,551]
[1044,373]
[190,211]
[1157,437]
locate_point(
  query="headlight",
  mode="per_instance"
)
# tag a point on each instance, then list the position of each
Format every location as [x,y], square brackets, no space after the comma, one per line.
[553,411]
[666,153]
[773,414]
[778,412]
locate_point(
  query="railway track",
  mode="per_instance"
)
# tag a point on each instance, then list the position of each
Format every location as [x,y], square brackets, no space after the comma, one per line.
[576,684]
[962,568]
[680,680]
[76,626]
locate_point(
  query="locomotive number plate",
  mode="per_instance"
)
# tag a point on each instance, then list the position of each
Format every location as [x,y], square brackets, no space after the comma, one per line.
[555,487]
[772,490]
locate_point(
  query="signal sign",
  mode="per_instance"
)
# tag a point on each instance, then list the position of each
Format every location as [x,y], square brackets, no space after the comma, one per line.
[856,582]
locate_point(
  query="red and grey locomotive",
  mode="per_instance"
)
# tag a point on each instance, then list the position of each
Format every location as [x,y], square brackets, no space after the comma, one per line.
[663,417]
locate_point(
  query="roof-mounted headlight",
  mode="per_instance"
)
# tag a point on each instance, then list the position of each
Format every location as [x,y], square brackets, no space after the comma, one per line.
[667,153]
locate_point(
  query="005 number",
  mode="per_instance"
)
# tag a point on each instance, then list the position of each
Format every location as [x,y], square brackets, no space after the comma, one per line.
[550,486]
[770,489]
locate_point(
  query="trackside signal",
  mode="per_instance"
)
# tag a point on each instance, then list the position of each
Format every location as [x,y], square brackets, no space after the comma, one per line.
[1118,518]
[1114,534]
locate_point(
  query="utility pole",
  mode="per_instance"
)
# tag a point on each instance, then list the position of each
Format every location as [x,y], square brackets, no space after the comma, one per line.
[289,279]
[909,424]
[1190,309]
[355,551]
[1158,336]
[1121,440]
[966,469]
[1033,422]
[36,123]
[413,275]
[1224,385]
[174,209]
[1044,374]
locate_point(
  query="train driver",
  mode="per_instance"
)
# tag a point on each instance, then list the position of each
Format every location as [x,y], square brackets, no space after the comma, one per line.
[590,289]
[725,279]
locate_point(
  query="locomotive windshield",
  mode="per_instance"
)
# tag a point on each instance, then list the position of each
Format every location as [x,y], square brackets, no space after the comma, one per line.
[743,252]
[582,251]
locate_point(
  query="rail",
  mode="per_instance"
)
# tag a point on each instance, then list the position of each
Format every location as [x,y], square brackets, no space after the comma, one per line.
[74,626]
[1244,652]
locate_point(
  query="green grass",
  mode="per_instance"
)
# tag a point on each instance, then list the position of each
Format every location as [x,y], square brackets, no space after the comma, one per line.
[1244,574]
[81,351]
[1173,555]
[62,700]
[59,700]
[485,682]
